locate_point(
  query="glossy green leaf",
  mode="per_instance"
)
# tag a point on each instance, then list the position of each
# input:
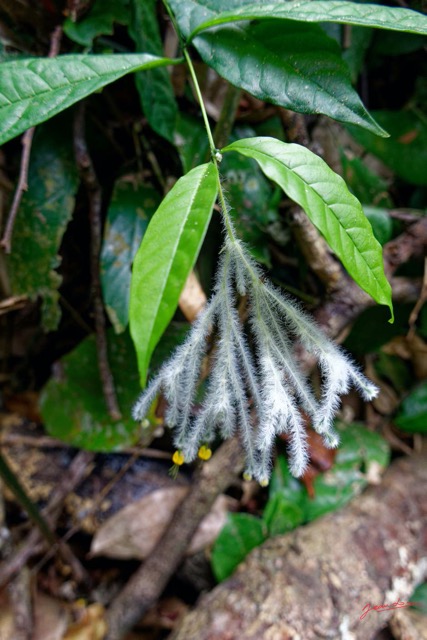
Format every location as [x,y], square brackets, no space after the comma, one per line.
[33,90]
[45,210]
[324,196]
[166,256]
[381,223]
[294,65]
[131,208]
[281,515]
[201,16]
[73,406]
[241,534]
[154,86]
[99,20]
[406,150]
[359,449]
[284,483]
[412,415]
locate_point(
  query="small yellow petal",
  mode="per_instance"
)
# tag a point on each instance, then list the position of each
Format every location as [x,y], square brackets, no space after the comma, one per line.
[204,452]
[178,458]
[264,482]
[247,476]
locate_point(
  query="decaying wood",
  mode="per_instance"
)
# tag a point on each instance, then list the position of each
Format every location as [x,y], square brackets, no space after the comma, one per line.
[314,582]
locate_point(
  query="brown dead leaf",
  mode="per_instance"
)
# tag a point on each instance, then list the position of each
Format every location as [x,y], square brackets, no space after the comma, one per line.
[192,299]
[51,618]
[210,527]
[134,531]
[7,625]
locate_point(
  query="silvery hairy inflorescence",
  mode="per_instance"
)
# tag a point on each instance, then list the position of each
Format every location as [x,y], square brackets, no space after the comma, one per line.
[255,387]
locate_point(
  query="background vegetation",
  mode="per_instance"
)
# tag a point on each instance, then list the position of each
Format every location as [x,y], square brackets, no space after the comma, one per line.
[96,173]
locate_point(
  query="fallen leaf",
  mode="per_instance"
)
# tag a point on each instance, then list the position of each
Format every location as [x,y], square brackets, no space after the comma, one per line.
[51,618]
[192,299]
[7,625]
[134,531]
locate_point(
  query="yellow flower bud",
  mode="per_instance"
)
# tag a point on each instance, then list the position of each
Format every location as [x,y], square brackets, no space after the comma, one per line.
[204,452]
[178,458]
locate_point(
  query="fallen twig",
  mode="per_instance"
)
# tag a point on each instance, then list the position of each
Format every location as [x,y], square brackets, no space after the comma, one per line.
[316,581]
[88,176]
[26,141]
[147,584]
[34,543]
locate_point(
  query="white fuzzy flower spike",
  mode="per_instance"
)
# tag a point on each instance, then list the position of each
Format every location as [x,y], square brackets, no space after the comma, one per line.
[255,387]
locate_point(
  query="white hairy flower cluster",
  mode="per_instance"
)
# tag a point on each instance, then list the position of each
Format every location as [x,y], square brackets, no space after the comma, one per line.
[257,391]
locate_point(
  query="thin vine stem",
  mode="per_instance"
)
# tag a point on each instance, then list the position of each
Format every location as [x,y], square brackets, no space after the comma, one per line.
[215,154]
[201,103]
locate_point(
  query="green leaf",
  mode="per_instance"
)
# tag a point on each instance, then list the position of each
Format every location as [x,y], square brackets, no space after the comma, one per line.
[362,447]
[406,150]
[420,597]
[45,210]
[284,484]
[131,208]
[73,406]
[166,256]
[99,20]
[354,54]
[359,449]
[33,90]
[214,12]
[324,196]
[412,415]
[381,222]
[154,86]
[239,536]
[296,66]
[281,515]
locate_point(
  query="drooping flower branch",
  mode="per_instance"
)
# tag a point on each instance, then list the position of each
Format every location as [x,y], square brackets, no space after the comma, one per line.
[255,387]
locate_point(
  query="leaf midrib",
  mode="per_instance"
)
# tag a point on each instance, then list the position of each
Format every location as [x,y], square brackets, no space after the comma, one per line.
[303,78]
[181,230]
[67,85]
[296,16]
[304,182]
